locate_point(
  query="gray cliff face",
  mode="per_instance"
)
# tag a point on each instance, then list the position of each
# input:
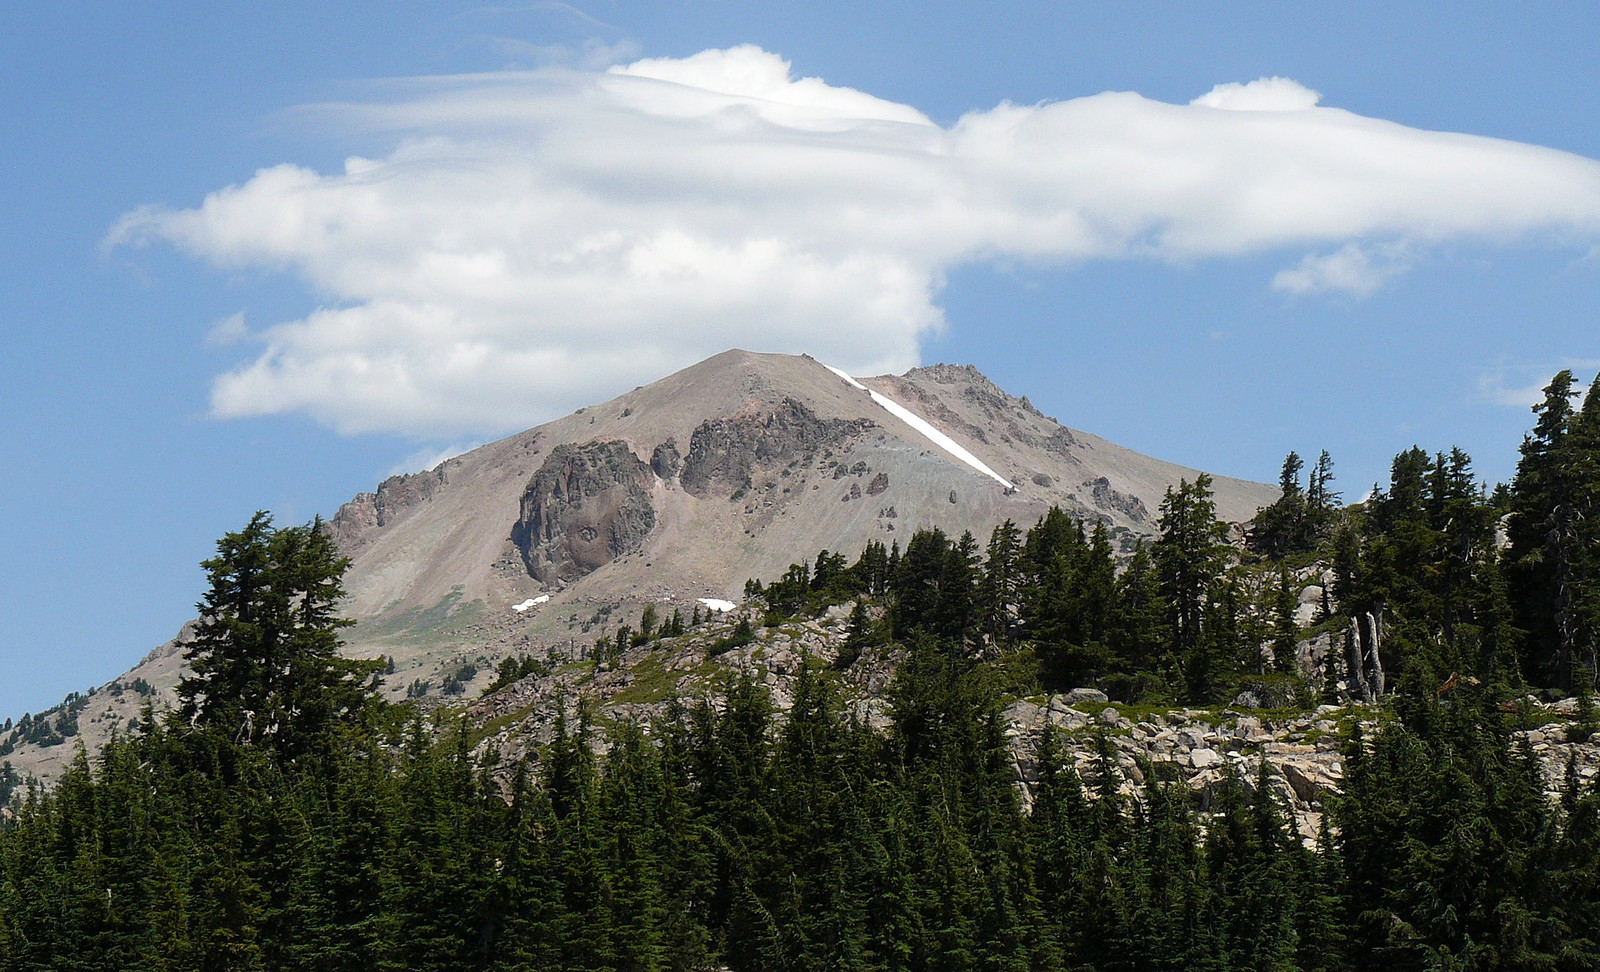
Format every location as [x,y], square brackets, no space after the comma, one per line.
[725,453]
[587,505]
[394,497]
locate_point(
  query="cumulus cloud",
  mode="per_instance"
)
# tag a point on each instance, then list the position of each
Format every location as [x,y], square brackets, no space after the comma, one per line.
[538,240]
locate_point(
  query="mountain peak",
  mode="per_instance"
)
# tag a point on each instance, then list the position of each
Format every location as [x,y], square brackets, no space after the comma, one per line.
[729,469]
[682,489]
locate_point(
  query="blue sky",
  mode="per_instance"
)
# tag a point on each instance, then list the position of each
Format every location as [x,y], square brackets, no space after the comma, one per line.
[1206,284]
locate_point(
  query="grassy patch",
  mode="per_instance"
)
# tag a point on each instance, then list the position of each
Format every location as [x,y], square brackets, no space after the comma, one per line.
[501,722]
[651,682]
[426,625]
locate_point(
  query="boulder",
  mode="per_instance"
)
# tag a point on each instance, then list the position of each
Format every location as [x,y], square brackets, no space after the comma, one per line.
[1310,781]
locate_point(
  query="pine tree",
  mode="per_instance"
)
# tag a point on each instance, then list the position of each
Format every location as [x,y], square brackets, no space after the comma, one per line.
[919,580]
[1001,584]
[1279,529]
[1543,536]
[1189,557]
[1138,632]
[955,613]
[1285,626]
[264,658]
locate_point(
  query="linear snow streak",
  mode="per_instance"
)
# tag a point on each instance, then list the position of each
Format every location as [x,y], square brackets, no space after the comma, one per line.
[925,427]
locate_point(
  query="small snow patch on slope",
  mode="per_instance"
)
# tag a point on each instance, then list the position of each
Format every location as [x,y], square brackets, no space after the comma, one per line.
[717,604]
[530,602]
[922,425]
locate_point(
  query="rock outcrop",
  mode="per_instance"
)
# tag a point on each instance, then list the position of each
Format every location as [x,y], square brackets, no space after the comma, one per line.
[725,453]
[1198,749]
[587,505]
[1103,496]
[1195,748]
[394,497]
[665,460]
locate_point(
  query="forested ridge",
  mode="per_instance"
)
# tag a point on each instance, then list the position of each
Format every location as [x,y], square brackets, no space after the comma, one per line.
[284,818]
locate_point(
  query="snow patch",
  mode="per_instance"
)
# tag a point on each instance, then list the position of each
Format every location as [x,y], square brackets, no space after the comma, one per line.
[851,381]
[530,602]
[717,604]
[927,429]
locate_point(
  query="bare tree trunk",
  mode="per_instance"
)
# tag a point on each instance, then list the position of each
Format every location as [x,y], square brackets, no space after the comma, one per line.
[1363,648]
[1355,664]
[1559,539]
[1375,620]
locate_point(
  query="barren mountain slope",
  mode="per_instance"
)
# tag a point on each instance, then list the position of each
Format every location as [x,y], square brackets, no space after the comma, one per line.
[833,474]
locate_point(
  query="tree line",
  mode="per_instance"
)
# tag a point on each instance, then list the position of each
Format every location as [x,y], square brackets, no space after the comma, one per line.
[722,835]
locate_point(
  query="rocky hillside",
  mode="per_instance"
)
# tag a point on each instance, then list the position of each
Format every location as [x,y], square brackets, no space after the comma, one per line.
[674,492]
[1198,748]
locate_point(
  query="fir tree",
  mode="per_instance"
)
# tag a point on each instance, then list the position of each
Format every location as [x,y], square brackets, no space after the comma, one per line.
[1189,557]
[264,657]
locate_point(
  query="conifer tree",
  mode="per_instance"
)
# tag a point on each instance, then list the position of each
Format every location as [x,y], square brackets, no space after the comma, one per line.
[264,657]
[919,581]
[1543,535]
[1285,626]
[1138,631]
[1189,557]
[955,614]
[1001,584]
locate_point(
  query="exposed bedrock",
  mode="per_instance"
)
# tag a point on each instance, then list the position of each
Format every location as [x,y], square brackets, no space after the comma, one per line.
[1115,501]
[725,452]
[665,460]
[587,505]
[394,496]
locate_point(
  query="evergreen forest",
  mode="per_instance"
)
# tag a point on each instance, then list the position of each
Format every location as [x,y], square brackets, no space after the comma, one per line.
[282,816]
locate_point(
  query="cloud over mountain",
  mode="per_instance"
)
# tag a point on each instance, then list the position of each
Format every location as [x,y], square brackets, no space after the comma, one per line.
[534,240]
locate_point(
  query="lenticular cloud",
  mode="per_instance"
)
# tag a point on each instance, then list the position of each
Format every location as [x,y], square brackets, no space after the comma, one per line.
[533,241]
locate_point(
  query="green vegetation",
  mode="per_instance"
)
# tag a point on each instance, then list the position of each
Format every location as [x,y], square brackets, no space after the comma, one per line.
[264,662]
[722,837]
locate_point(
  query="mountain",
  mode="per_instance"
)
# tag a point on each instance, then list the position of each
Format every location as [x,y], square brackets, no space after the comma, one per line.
[677,491]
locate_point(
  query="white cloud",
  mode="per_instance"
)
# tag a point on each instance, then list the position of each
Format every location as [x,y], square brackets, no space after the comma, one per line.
[230,330]
[593,55]
[1496,392]
[1353,269]
[1262,94]
[539,240]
